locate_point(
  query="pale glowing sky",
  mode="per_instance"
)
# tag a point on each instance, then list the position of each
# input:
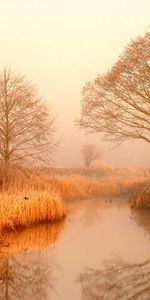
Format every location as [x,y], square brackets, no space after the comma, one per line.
[63,43]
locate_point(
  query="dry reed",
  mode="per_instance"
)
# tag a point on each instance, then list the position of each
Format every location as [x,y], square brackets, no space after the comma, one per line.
[70,184]
[77,187]
[16,211]
[44,192]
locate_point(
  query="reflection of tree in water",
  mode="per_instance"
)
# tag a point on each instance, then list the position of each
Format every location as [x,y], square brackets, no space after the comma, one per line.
[27,279]
[29,275]
[117,281]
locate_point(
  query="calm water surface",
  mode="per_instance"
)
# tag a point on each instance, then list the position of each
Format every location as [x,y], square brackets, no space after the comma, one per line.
[99,252]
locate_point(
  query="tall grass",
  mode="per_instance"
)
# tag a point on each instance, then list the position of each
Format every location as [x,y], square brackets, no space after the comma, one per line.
[76,186]
[15,211]
[35,195]
[70,184]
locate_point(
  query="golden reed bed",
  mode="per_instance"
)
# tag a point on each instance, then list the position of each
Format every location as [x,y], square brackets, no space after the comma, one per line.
[75,186]
[45,193]
[16,211]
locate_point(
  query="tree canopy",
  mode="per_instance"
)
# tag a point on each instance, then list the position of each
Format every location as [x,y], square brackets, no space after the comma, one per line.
[117,103]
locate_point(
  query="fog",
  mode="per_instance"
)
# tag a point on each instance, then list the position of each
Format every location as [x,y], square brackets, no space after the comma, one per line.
[60,45]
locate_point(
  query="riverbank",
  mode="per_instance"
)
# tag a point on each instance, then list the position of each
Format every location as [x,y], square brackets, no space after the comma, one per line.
[36,195]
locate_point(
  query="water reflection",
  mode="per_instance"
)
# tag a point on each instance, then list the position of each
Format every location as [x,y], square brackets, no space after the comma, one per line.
[24,279]
[35,237]
[88,210]
[95,231]
[26,270]
[142,219]
[117,280]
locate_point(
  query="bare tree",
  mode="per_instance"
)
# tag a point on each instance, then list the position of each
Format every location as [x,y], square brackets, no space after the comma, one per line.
[118,102]
[90,154]
[26,124]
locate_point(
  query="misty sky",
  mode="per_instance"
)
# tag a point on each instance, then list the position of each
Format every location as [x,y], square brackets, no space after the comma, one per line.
[60,45]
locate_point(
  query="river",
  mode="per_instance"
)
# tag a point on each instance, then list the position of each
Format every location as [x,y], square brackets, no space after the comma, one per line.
[101,251]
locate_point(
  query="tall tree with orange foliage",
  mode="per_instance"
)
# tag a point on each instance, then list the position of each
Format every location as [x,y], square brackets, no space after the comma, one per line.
[118,102]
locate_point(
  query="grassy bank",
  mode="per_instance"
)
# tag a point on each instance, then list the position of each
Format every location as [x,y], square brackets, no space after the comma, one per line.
[16,211]
[36,195]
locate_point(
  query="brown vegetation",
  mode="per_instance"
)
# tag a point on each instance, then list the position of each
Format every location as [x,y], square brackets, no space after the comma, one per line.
[141,198]
[17,210]
[36,195]
[76,186]
[75,183]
